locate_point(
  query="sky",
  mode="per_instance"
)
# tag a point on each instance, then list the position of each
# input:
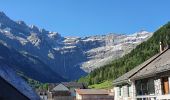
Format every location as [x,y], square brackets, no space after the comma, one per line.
[90,17]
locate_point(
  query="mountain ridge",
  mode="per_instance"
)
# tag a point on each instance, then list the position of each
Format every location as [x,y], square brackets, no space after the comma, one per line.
[69,57]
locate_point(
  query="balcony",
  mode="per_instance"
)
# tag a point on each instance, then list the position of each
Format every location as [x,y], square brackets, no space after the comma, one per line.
[153,97]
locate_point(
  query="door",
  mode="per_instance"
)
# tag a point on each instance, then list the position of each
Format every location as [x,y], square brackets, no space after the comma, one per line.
[165,85]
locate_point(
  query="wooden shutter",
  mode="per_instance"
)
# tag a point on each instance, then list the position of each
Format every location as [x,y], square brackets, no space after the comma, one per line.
[165,85]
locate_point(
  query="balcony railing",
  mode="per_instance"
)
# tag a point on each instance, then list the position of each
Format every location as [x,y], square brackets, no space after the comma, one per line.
[153,97]
[165,97]
[146,97]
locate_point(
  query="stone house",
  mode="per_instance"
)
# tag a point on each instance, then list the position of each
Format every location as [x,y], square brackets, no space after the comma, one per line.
[148,81]
[64,90]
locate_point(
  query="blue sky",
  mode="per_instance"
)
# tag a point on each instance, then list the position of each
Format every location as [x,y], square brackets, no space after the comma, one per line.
[90,17]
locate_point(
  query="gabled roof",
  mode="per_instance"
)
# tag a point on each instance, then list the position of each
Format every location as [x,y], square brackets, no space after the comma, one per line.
[15,82]
[124,78]
[160,64]
[74,84]
[92,91]
[60,87]
[68,85]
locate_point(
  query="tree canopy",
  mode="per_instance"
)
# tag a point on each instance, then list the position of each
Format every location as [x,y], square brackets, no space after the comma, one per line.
[137,56]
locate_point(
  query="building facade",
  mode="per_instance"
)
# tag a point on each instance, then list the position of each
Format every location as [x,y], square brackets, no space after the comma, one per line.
[64,90]
[148,81]
[93,94]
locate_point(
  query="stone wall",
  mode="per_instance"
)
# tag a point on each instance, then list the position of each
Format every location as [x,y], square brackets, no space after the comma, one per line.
[158,88]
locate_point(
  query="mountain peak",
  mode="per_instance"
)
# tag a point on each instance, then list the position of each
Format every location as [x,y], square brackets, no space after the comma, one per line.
[34,28]
[21,22]
[143,31]
[2,13]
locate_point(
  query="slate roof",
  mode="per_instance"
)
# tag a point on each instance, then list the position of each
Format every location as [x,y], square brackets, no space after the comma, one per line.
[74,84]
[160,64]
[68,85]
[139,69]
[92,91]
[60,87]
[16,82]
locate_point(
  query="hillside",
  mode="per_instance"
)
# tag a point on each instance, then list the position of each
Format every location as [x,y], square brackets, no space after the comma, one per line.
[138,55]
[27,65]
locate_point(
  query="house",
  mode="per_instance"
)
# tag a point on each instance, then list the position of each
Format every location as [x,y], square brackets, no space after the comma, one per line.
[64,90]
[13,87]
[148,81]
[59,92]
[93,94]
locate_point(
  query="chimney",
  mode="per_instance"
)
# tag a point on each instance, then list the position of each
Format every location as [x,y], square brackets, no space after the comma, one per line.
[160,47]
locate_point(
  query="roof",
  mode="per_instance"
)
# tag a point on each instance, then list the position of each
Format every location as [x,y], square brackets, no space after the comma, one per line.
[12,79]
[74,84]
[160,64]
[124,78]
[92,91]
[60,87]
[68,85]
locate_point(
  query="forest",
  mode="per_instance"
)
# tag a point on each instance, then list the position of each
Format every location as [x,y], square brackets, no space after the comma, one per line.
[137,56]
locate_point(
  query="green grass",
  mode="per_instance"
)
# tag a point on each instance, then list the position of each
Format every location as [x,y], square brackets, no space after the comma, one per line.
[103,85]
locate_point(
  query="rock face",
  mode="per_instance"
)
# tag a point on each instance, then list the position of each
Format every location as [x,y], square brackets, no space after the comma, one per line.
[68,57]
[113,46]
[28,65]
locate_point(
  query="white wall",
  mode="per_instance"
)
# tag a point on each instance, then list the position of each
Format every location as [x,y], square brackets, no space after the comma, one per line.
[158,88]
[133,91]
[78,97]
[116,93]
[124,92]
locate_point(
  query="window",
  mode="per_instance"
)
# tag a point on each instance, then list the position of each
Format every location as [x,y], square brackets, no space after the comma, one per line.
[145,86]
[128,89]
[165,85]
[150,87]
[120,91]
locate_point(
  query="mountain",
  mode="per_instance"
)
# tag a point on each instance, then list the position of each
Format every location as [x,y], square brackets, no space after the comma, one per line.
[28,65]
[141,53]
[50,54]
[112,46]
